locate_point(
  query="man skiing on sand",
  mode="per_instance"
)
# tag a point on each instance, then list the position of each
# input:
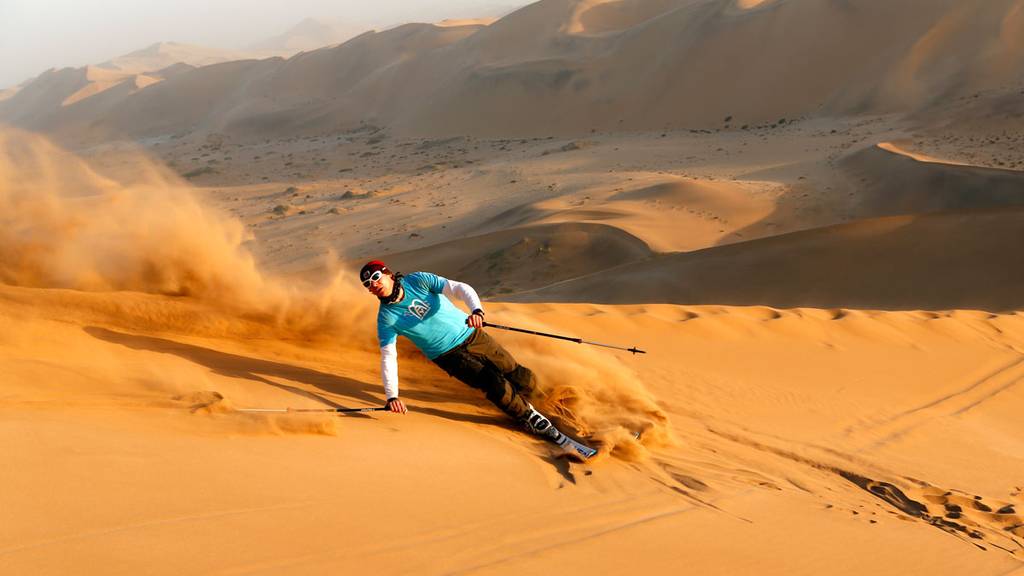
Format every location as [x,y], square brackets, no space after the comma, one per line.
[417,306]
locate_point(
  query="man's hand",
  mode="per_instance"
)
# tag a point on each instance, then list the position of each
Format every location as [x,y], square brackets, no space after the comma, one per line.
[476,319]
[396,405]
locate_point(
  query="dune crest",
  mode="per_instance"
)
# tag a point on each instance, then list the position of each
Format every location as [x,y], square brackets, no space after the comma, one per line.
[456,22]
[896,149]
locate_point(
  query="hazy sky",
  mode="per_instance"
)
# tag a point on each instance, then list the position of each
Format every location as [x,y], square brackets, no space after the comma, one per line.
[39,34]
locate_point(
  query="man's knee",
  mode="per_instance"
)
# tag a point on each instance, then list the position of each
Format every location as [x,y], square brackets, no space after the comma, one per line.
[523,379]
[492,382]
[510,402]
[503,394]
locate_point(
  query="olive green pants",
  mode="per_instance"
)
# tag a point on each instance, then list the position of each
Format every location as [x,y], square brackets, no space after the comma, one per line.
[483,364]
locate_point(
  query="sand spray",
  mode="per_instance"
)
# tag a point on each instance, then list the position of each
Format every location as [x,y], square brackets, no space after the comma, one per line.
[66,224]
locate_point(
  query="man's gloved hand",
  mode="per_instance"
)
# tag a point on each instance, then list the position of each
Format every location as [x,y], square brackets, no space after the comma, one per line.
[476,319]
[396,405]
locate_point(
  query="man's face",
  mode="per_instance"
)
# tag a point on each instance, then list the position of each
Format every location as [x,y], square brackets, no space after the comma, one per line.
[381,288]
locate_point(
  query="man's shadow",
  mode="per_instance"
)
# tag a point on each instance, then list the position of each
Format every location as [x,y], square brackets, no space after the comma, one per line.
[236,366]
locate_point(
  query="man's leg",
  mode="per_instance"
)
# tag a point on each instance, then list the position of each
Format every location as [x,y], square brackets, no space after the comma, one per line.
[478,372]
[521,377]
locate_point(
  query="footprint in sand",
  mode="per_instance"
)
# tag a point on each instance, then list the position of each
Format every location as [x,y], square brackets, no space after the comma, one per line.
[995,519]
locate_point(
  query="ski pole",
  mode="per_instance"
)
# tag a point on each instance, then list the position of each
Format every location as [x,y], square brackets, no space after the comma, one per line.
[634,350]
[336,410]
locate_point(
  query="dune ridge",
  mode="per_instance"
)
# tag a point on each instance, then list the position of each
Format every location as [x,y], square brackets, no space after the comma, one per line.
[891,183]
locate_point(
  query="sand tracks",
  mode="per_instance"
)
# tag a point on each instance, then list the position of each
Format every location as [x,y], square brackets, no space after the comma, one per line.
[983,523]
[951,405]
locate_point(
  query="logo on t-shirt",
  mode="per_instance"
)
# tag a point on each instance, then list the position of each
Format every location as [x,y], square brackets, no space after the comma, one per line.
[418,308]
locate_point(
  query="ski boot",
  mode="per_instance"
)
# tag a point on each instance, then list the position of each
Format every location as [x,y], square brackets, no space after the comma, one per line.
[539,424]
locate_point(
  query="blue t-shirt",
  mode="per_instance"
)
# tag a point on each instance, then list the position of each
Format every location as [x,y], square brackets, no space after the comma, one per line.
[424,315]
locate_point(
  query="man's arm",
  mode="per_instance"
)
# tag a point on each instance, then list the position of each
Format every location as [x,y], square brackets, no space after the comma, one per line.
[469,297]
[389,375]
[389,365]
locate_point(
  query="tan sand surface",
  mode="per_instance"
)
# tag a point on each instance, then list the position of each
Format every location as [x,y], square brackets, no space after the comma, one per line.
[780,418]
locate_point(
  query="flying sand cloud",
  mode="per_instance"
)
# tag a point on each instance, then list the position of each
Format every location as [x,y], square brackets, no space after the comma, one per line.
[66,224]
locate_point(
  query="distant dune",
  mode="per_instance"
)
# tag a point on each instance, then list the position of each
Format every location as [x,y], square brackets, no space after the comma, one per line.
[163,54]
[931,262]
[890,182]
[525,258]
[309,34]
[75,100]
[568,67]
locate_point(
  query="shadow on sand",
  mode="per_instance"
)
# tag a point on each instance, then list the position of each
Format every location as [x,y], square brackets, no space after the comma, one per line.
[237,366]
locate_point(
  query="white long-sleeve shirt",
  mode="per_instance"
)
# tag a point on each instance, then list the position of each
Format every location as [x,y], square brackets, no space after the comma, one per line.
[389,352]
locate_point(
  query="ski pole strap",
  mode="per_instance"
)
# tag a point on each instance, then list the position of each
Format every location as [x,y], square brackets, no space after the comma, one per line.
[634,350]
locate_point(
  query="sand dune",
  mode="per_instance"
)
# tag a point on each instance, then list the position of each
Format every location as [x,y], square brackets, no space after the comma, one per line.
[458,22]
[41,103]
[932,262]
[538,71]
[34,102]
[257,97]
[163,54]
[668,214]
[784,437]
[528,257]
[525,79]
[8,93]
[309,34]
[597,17]
[890,182]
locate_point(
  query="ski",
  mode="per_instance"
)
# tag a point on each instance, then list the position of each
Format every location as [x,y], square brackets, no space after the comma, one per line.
[540,425]
[570,445]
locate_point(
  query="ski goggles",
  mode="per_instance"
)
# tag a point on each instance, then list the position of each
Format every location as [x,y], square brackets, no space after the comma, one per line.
[373,278]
